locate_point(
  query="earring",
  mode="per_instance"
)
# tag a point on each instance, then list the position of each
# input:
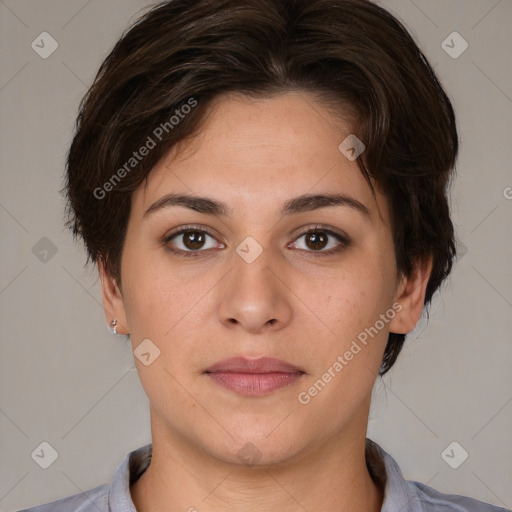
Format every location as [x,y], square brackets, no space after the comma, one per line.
[114,326]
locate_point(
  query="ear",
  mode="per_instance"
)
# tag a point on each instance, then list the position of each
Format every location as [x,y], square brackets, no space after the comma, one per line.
[411,296]
[113,302]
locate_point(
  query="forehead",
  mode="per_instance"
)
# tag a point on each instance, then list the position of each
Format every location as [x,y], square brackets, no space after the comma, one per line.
[259,153]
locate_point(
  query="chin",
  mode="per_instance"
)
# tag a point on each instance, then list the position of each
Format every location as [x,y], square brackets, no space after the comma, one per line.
[255,450]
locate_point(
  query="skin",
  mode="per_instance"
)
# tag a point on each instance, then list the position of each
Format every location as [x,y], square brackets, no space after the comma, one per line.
[291,303]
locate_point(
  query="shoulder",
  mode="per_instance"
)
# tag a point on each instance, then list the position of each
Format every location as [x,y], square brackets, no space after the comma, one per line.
[95,500]
[431,500]
[402,494]
[114,496]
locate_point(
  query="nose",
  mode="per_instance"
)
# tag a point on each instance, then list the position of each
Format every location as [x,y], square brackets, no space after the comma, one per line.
[254,296]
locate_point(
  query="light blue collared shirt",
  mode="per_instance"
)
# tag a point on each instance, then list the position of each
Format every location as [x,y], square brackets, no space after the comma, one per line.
[400,495]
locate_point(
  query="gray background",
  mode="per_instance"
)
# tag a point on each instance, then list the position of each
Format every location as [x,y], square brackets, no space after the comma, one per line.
[65,380]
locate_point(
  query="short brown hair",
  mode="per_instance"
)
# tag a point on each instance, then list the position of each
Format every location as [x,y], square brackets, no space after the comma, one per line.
[349,52]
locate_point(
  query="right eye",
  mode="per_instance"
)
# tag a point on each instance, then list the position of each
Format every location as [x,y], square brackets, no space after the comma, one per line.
[189,241]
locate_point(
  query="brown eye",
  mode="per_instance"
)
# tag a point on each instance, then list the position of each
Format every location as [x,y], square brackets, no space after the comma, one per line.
[191,241]
[316,240]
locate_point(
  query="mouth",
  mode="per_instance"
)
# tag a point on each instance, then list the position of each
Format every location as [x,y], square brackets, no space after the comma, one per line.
[254,377]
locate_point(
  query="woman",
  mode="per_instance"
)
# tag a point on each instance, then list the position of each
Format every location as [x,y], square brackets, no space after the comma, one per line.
[262,184]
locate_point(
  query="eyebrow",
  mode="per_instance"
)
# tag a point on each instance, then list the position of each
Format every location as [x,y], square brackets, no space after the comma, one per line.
[300,204]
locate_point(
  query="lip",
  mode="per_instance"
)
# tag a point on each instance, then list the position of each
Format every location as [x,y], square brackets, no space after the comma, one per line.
[254,377]
[252,365]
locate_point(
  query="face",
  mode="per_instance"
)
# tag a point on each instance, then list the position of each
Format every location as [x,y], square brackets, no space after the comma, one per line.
[263,269]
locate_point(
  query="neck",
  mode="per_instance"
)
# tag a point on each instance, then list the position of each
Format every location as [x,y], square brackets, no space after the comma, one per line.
[333,476]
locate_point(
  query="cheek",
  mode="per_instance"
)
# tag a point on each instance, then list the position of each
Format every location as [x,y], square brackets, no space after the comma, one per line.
[345,363]
[160,300]
[355,300]
[151,295]
[154,307]
[353,308]
[158,304]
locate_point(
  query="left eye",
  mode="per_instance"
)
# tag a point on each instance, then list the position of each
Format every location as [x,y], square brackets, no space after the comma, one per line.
[320,240]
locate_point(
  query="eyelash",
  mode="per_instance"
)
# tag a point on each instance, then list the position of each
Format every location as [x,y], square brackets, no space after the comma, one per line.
[344,241]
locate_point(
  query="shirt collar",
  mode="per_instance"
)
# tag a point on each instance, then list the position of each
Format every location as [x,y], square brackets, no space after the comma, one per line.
[129,471]
[385,470]
[382,467]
